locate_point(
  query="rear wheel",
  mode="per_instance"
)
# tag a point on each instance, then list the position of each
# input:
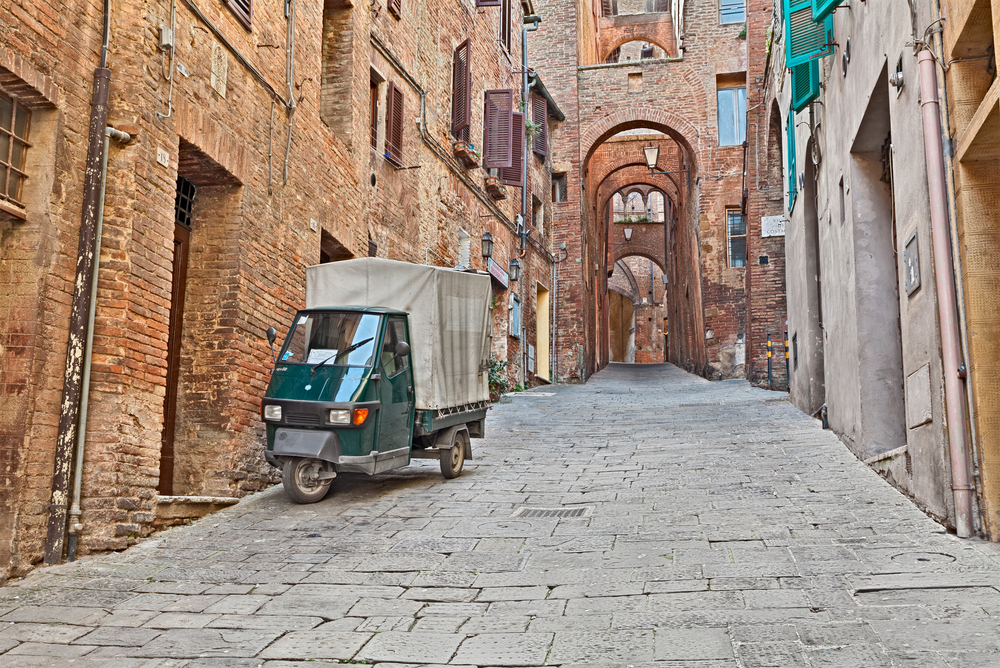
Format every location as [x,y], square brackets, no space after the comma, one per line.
[453,458]
[306,480]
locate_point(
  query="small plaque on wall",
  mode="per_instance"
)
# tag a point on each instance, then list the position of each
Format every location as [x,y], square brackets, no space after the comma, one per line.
[772,226]
[911,260]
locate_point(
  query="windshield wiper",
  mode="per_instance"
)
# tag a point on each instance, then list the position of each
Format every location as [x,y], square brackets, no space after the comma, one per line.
[346,350]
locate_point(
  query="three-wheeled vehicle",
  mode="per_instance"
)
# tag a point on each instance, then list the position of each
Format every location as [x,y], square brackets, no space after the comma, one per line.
[388,362]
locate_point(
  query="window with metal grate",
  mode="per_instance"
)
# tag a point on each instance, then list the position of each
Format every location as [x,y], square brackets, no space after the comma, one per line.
[184,202]
[736,225]
[14,124]
[732,11]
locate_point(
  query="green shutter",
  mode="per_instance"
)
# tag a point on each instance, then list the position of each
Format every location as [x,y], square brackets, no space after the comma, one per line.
[805,84]
[823,8]
[805,39]
[790,147]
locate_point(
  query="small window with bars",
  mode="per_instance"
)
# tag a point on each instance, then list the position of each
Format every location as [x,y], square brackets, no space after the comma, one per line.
[14,124]
[242,10]
[184,202]
[732,11]
[737,232]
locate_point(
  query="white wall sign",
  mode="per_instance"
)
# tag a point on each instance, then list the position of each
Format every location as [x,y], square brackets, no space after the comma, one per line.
[772,226]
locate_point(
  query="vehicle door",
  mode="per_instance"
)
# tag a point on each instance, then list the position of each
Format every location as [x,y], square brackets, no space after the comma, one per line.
[396,421]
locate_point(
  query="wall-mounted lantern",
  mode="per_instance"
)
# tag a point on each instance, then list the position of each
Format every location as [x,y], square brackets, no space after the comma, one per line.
[515,270]
[628,234]
[487,245]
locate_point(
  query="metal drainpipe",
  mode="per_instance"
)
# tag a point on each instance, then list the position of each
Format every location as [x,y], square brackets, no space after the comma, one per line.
[947,302]
[70,402]
[523,231]
[81,433]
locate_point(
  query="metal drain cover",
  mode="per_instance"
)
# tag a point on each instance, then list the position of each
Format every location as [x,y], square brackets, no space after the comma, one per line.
[575,511]
[922,558]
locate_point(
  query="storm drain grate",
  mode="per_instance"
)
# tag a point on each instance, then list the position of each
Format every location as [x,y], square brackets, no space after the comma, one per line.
[575,511]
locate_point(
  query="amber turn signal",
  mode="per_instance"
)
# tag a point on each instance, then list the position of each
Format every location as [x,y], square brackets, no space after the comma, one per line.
[360,414]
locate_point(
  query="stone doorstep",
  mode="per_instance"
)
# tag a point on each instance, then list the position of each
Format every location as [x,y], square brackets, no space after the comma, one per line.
[167,508]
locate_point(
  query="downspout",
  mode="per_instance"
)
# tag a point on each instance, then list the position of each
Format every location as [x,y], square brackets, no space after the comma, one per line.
[523,227]
[75,526]
[70,401]
[947,302]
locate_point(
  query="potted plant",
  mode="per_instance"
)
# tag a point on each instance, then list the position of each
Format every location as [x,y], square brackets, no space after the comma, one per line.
[467,153]
[495,188]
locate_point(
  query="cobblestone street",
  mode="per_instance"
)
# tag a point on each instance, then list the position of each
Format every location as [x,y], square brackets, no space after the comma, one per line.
[707,524]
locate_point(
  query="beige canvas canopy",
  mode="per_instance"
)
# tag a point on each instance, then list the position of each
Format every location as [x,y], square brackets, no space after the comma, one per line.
[449,315]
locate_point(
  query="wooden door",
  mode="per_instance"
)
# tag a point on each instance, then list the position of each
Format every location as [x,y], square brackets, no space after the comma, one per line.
[182,239]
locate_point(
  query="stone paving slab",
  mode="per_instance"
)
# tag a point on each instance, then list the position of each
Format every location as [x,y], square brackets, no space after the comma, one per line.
[723,529]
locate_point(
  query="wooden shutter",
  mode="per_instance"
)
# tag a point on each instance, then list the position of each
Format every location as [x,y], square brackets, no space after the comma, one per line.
[395,8]
[609,7]
[461,90]
[805,84]
[805,39]
[242,10]
[505,24]
[394,123]
[498,128]
[487,3]
[540,117]
[823,8]
[514,175]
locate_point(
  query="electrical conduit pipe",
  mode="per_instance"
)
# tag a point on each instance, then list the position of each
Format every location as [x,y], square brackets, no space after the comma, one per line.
[954,391]
[81,432]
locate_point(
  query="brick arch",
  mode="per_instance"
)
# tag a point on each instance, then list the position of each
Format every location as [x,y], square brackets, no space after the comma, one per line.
[616,176]
[627,152]
[628,39]
[640,116]
[614,186]
[640,250]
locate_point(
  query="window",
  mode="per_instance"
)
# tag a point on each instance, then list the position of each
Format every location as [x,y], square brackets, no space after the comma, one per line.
[614,56]
[184,202]
[790,157]
[461,92]
[515,316]
[559,187]
[732,11]
[540,117]
[732,108]
[657,6]
[373,114]
[514,175]
[464,249]
[498,128]
[505,20]
[242,10]
[737,229]
[372,248]
[394,124]
[538,215]
[806,38]
[609,7]
[392,363]
[395,8]
[14,125]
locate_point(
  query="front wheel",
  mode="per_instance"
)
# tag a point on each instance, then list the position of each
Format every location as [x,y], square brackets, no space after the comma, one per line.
[453,459]
[306,480]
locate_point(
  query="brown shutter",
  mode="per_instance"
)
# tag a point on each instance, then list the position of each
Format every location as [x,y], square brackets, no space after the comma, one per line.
[394,123]
[540,117]
[243,10]
[461,91]
[609,7]
[487,3]
[514,175]
[505,25]
[498,128]
[395,8]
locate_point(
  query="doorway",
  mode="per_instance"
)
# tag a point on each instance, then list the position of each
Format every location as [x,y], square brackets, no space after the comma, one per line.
[542,343]
[183,210]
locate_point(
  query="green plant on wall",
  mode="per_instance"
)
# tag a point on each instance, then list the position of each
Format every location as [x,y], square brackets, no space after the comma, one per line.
[499,381]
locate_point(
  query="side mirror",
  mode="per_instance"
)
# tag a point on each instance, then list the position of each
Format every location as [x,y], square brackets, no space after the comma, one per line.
[271,336]
[402,349]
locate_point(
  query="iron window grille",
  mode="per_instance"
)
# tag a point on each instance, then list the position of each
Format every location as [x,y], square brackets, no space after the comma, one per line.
[184,203]
[14,125]
[737,232]
[732,11]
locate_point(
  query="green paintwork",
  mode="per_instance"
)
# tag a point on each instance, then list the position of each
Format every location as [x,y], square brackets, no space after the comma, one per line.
[341,384]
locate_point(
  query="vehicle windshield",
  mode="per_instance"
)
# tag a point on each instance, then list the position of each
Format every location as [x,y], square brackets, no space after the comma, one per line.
[332,338]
